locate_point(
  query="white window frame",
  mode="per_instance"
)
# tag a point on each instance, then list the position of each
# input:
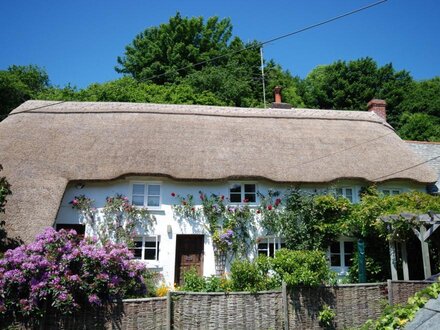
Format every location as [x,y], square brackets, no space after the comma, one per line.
[145,195]
[242,192]
[342,191]
[148,238]
[342,268]
[391,191]
[269,240]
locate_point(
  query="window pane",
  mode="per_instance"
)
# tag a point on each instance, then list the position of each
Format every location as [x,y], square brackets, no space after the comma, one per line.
[249,188]
[154,189]
[150,244]
[235,198]
[235,188]
[271,250]
[137,253]
[335,247]
[153,201]
[138,200]
[335,260]
[349,194]
[339,191]
[386,192]
[262,246]
[138,189]
[347,259]
[396,192]
[348,247]
[138,244]
[150,254]
[250,197]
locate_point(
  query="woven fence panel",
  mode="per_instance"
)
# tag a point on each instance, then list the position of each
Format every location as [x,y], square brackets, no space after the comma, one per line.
[353,304]
[402,290]
[261,310]
[146,314]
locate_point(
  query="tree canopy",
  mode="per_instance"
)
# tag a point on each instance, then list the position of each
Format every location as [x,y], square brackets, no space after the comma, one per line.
[19,84]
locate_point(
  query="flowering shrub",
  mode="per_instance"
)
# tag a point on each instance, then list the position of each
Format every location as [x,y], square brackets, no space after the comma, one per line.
[85,206]
[185,208]
[59,272]
[122,220]
[223,241]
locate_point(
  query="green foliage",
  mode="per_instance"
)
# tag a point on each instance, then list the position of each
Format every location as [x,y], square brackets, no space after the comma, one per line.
[423,97]
[304,268]
[5,190]
[326,317]
[350,85]
[419,127]
[19,84]
[179,43]
[310,222]
[397,316]
[196,283]
[252,276]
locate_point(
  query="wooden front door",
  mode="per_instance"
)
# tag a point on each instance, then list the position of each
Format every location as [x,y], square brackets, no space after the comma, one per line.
[189,254]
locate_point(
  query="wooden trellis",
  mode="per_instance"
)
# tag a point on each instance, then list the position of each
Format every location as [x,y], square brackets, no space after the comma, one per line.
[429,222]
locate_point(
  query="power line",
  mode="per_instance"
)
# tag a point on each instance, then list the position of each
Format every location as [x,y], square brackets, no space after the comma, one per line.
[407,168]
[260,44]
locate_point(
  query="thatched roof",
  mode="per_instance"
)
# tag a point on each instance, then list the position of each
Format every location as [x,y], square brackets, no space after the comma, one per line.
[44,145]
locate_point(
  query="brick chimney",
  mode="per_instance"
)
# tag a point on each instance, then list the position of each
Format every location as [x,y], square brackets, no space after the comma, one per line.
[278,104]
[379,107]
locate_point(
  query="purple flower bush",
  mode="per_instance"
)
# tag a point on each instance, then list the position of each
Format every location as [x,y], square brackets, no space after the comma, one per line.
[61,273]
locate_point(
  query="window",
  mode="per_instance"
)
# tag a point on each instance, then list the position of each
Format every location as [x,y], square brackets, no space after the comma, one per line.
[345,192]
[341,253]
[239,192]
[146,194]
[269,245]
[391,192]
[146,248]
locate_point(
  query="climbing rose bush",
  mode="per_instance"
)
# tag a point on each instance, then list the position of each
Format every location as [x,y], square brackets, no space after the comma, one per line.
[61,273]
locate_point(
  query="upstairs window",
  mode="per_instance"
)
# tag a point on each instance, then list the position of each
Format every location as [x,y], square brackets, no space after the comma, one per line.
[146,248]
[240,192]
[269,245]
[391,192]
[345,192]
[146,194]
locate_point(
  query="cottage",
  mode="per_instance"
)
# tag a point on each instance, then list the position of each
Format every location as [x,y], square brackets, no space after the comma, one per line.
[54,151]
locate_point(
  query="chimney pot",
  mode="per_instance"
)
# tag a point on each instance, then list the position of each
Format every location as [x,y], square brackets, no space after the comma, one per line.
[379,107]
[277,92]
[278,104]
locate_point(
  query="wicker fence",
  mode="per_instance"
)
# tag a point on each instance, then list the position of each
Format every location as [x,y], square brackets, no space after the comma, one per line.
[295,308]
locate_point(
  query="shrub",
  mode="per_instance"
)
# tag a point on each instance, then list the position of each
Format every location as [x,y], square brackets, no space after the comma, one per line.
[305,268]
[61,274]
[252,276]
[196,283]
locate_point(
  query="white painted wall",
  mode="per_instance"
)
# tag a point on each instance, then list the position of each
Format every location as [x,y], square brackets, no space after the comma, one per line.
[98,191]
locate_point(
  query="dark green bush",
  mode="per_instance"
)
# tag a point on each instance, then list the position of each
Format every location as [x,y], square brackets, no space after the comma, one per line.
[302,268]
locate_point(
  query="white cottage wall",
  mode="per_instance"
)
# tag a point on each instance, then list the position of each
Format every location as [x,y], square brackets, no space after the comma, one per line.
[166,220]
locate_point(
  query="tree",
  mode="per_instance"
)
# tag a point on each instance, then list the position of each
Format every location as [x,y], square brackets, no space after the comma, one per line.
[180,43]
[19,84]
[419,127]
[423,97]
[350,85]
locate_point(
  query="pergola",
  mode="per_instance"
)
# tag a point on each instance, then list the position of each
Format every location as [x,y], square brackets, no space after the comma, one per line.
[428,223]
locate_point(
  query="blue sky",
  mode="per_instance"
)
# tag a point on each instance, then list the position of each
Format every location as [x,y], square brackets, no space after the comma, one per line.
[78,41]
